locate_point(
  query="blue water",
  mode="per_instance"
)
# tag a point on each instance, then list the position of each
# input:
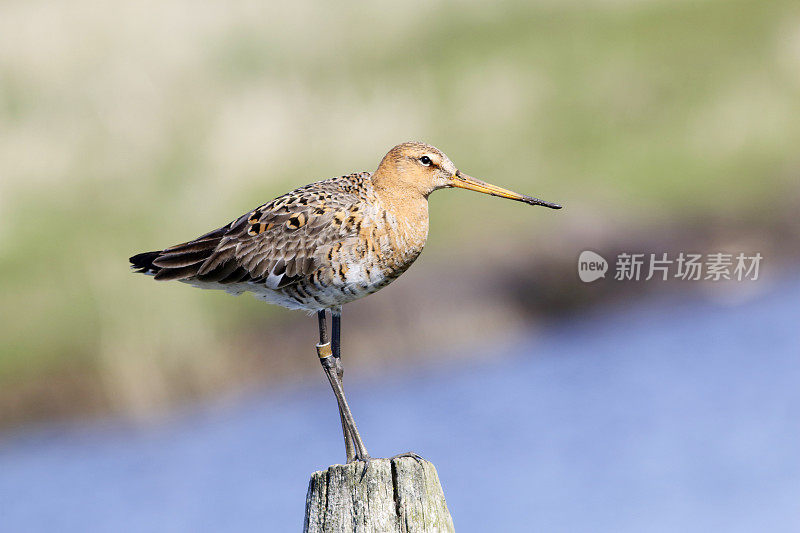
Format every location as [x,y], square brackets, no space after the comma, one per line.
[662,416]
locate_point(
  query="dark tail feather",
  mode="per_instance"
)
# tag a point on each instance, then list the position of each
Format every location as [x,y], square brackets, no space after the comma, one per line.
[169,274]
[144,262]
[169,265]
[181,261]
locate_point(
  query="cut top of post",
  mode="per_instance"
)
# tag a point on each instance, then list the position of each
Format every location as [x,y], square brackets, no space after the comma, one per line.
[393,495]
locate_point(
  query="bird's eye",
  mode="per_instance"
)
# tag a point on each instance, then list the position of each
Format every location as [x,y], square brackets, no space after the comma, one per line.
[425,160]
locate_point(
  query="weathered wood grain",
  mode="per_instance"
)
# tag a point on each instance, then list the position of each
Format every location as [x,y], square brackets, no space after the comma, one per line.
[393,495]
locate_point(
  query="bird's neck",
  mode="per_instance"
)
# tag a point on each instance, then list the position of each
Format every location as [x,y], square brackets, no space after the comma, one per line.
[408,206]
[401,200]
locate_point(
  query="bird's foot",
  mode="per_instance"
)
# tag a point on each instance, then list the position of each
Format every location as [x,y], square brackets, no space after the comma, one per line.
[418,458]
[366,459]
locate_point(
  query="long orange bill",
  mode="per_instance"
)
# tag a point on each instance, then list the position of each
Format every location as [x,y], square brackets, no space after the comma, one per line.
[463,181]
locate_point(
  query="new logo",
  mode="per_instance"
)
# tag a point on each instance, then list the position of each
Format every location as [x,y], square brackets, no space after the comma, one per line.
[591,266]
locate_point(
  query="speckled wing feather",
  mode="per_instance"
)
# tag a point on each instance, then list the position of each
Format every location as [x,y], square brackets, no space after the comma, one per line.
[277,243]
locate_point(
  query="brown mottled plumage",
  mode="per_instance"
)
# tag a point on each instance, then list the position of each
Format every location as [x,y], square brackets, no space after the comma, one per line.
[324,245]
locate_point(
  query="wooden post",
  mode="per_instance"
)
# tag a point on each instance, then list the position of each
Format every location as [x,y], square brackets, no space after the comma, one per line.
[393,495]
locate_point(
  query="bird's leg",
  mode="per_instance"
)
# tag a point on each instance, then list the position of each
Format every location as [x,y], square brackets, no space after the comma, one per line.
[329,366]
[322,351]
[337,366]
[336,345]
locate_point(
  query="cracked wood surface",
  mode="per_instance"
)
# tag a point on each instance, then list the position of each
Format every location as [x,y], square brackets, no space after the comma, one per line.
[393,495]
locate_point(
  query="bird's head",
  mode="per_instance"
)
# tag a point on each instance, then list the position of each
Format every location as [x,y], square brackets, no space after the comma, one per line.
[420,168]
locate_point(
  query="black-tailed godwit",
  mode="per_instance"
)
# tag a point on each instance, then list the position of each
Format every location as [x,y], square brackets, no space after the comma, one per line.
[324,245]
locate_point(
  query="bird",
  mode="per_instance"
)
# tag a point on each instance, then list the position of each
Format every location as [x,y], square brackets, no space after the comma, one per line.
[324,245]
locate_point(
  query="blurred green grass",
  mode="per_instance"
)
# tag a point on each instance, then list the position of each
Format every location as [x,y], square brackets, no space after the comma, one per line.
[126,128]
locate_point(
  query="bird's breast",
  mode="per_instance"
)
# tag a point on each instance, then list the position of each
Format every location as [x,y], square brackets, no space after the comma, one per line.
[377,247]
[384,247]
[400,240]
